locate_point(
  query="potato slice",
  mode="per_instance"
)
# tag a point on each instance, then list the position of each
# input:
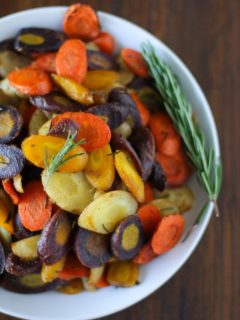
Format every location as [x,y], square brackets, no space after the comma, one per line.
[94,277]
[166,207]
[26,248]
[182,197]
[38,119]
[123,274]
[107,211]
[100,170]
[50,272]
[44,130]
[129,174]
[70,191]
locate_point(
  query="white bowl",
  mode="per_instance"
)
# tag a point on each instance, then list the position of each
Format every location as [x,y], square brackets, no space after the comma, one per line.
[54,305]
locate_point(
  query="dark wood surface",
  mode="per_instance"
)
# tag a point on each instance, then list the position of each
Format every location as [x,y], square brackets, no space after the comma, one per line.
[206,35]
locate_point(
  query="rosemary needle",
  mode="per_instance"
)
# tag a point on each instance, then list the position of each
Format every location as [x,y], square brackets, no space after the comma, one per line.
[59,159]
[207,166]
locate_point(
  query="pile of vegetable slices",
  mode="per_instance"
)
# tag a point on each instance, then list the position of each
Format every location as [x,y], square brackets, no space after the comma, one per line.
[92,170]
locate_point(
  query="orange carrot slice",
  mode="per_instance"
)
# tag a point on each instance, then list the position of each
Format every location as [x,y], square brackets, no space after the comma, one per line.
[150,217]
[10,190]
[81,21]
[134,61]
[73,269]
[176,168]
[34,207]
[31,81]
[105,42]
[142,109]
[148,193]
[166,138]
[71,60]
[91,128]
[145,254]
[167,233]
[46,62]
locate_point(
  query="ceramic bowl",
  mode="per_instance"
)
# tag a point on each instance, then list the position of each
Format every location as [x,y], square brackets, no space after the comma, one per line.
[57,306]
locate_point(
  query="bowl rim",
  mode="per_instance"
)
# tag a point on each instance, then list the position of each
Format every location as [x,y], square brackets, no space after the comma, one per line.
[214,134]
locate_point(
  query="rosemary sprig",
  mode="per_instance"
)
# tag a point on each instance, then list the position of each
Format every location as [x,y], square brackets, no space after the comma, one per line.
[59,159]
[208,167]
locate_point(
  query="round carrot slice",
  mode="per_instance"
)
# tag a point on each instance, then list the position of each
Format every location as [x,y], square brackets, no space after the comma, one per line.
[31,81]
[90,127]
[134,61]
[167,233]
[34,208]
[81,21]
[150,217]
[71,60]
[176,168]
[105,42]
[46,62]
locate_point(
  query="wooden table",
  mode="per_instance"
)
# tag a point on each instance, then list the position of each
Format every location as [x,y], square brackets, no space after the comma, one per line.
[206,35]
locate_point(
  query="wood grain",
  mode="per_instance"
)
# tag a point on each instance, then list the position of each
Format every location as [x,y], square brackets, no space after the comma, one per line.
[205,34]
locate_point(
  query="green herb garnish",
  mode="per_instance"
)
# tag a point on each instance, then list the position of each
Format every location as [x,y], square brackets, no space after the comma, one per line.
[59,159]
[208,167]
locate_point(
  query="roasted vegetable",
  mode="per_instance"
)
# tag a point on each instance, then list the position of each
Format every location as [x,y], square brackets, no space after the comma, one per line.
[11,161]
[182,197]
[100,79]
[100,61]
[92,249]
[31,40]
[128,238]
[107,211]
[123,274]
[64,128]
[95,276]
[120,95]
[124,130]
[113,113]
[118,142]
[151,98]
[55,102]
[7,44]
[20,232]
[143,142]
[74,90]
[100,169]
[38,119]
[26,248]
[70,191]
[17,183]
[158,178]
[2,258]
[20,267]
[28,284]
[10,60]
[54,242]
[50,272]
[129,175]
[41,149]
[11,123]
[166,207]
[5,239]
[72,287]
[6,212]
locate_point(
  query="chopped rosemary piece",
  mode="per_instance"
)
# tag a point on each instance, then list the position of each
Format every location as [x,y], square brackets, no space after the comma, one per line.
[59,159]
[207,166]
